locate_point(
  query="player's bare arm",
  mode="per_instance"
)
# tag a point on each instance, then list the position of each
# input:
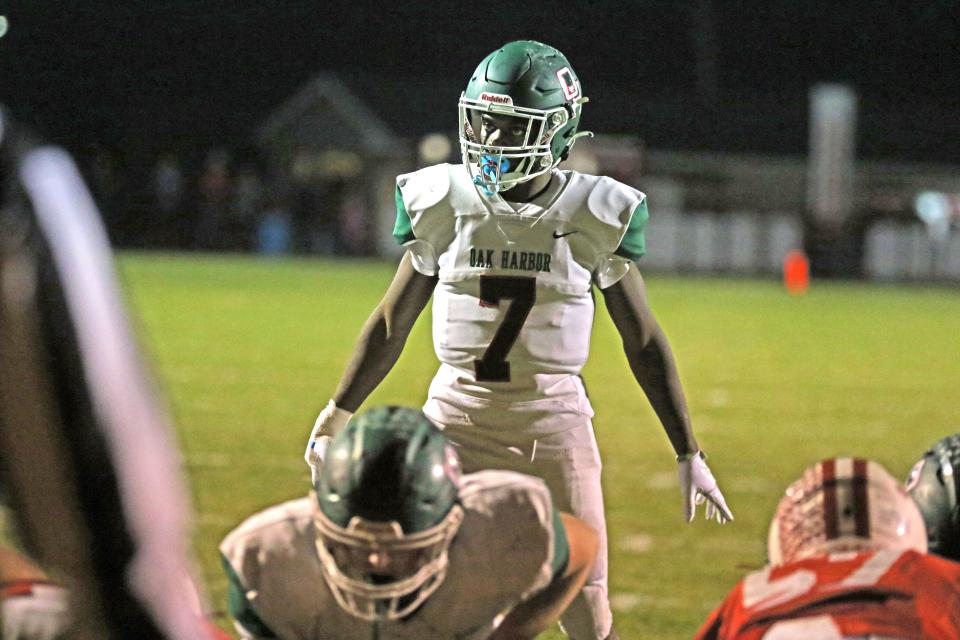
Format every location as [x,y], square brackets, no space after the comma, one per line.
[654,367]
[650,357]
[384,334]
[377,350]
[542,611]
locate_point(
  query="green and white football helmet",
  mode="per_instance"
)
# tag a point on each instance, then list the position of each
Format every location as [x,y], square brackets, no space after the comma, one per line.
[387,512]
[535,85]
[933,484]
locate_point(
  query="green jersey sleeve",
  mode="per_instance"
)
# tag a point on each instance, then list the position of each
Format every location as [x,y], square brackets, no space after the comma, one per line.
[403,228]
[240,608]
[633,245]
[561,546]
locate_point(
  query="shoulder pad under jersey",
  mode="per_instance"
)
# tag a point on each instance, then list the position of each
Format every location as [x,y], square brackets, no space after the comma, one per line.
[426,203]
[613,203]
[273,527]
[513,514]
[607,212]
[463,193]
[425,188]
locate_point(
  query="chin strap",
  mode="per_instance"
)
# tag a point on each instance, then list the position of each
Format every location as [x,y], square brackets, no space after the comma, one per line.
[578,135]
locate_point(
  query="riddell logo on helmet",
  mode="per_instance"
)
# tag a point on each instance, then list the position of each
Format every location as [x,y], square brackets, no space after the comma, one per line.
[499,98]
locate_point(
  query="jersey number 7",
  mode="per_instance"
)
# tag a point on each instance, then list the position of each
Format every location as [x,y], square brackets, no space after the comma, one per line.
[522,293]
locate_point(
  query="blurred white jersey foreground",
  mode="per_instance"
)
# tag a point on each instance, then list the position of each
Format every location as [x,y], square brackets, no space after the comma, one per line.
[107,513]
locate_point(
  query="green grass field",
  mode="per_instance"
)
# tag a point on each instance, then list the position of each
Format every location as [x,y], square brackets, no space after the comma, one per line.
[248,351]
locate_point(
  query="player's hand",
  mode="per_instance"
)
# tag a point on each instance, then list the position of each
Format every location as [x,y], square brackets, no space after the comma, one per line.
[330,422]
[698,487]
[33,611]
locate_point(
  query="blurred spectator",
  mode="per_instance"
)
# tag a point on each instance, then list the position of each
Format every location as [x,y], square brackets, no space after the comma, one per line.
[213,200]
[245,207]
[354,237]
[168,186]
[274,230]
[330,197]
[105,180]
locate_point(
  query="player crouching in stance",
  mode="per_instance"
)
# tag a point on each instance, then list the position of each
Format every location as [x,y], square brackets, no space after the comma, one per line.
[847,560]
[395,543]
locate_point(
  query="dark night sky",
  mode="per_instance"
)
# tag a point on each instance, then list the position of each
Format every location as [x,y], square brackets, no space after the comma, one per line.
[163,74]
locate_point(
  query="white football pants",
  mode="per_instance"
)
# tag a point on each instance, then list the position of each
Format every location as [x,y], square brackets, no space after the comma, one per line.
[550,437]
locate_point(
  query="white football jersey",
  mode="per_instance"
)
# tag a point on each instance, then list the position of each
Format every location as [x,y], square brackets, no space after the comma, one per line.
[514,297]
[502,553]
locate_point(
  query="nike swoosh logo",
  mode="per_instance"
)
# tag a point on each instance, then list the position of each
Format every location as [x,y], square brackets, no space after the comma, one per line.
[562,235]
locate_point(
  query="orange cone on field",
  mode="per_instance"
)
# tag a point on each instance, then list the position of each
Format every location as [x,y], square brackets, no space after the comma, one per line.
[796,272]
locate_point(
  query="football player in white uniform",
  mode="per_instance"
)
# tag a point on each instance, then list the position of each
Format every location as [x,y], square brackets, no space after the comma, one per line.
[394,543]
[510,247]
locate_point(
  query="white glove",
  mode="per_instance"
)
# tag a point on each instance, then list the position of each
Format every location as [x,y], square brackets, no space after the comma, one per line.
[698,485]
[34,611]
[330,422]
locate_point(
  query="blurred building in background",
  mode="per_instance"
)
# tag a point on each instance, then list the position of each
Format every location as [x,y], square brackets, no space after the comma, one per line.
[316,177]
[330,163]
[290,142]
[328,156]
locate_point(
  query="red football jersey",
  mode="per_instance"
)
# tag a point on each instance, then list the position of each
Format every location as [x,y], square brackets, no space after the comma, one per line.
[893,594]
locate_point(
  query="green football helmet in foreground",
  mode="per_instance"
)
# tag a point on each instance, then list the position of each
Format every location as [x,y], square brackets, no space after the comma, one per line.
[386,512]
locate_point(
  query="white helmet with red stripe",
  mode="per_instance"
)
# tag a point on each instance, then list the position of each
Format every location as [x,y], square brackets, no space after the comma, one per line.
[844,504]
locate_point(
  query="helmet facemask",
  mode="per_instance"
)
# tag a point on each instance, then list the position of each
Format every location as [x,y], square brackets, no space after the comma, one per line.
[375,571]
[496,168]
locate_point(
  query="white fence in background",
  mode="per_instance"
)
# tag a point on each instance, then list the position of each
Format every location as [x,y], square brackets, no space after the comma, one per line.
[905,251]
[745,243]
[739,243]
